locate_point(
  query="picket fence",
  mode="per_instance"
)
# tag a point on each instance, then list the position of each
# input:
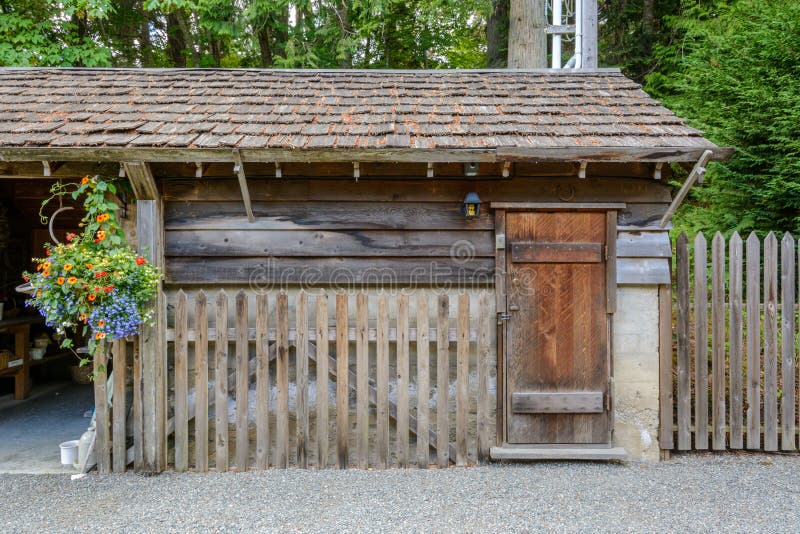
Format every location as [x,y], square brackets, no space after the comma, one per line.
[738,363]
[376,343]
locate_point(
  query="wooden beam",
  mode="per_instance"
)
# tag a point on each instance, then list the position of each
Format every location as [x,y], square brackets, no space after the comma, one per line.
[532,154]
[556,29]
[142,180]
[152,343]
[697,174]
[238,168]
[558,206]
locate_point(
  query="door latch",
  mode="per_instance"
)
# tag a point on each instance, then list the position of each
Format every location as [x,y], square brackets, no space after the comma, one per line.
[503,316]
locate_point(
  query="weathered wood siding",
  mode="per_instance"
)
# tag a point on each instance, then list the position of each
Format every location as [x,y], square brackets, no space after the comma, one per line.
[344,232]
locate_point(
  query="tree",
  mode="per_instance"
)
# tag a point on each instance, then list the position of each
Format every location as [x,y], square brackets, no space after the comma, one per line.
[736,73]
[527,40]
[32,35]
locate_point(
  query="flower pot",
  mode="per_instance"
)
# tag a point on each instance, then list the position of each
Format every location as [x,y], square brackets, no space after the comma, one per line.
[69,452]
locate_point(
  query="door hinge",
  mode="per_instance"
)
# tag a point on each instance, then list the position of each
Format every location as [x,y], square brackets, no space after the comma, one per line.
[607,401]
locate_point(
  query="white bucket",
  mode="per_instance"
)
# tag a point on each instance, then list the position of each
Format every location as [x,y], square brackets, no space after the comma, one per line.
[69,452]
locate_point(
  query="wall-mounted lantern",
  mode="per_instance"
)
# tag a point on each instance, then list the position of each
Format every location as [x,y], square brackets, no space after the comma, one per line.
[472,205]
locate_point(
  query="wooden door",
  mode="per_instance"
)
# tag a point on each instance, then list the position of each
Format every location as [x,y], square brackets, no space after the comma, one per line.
[558,369]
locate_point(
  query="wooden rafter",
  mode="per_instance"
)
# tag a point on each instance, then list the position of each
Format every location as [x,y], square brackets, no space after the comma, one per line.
[142,180]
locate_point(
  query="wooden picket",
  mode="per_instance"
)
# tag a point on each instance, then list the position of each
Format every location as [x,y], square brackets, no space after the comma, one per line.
[752,394]
[390,346]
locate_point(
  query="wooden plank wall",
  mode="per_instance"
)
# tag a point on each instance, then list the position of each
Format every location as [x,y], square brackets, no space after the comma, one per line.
[372,231]
[751,332]
[389,430]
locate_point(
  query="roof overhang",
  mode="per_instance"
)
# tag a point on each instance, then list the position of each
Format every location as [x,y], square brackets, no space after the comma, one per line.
[388,155]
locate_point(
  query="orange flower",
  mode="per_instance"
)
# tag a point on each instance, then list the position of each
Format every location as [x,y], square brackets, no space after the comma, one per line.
[85,180]
[67,266]
[39,293]
[39,267]
[99,335]
[82,317]
[100,236]
[92,296]
[101,323]
[60,280]
[89,266]
[103,217]
[71,280]
[46,266]
[46,273]
[140,261]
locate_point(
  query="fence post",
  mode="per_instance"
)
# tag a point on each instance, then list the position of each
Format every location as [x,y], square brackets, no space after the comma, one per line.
[771,343]
[753,342]
[701,342]
[735,340]
[787,344]
[683,363]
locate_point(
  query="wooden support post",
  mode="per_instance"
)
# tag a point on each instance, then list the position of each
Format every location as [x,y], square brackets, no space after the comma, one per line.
[506,169]
[430,170]
[278,170]
[238,168]
[696,175]
[665,365]
[152,342]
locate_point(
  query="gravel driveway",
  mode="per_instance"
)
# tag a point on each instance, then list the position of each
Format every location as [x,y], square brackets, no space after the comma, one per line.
[690,493]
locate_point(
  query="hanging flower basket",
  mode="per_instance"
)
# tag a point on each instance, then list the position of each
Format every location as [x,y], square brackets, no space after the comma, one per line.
[94,282]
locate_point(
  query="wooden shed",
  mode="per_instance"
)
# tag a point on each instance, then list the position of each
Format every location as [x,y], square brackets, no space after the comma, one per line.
[340,208]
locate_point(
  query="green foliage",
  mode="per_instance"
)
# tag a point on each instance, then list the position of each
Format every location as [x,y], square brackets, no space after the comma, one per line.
[45,33]
[250,33]
[735,73]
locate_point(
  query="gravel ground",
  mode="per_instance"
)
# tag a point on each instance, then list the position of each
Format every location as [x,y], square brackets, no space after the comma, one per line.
[743,493]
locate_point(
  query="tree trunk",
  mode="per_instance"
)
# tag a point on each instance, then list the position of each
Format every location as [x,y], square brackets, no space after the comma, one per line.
[175,43]
[265,46]
[497,35]
[527,40]
[648,17]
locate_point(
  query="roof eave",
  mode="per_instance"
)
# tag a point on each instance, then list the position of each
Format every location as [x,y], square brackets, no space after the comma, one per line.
[309,155]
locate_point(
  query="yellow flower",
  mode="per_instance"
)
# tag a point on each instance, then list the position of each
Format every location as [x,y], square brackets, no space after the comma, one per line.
[60,280]
[89,266]
[71,280]
[103,217]
[46,266]
[46,273]
[67,266]
[99,335]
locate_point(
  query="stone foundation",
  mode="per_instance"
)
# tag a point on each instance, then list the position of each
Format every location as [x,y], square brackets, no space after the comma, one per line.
[635,349]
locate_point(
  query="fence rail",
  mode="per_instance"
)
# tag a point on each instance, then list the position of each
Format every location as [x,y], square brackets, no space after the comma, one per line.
[250,376]
[745,358]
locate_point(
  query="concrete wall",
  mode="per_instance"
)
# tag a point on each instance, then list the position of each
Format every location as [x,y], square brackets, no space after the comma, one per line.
[636,363]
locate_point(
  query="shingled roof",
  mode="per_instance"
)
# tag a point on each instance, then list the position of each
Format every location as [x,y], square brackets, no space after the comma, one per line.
[312,109]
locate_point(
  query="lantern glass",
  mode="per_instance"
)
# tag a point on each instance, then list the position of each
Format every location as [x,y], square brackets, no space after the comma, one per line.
[472,205]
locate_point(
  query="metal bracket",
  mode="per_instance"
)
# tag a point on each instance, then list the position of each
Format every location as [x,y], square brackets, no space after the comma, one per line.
[503,316]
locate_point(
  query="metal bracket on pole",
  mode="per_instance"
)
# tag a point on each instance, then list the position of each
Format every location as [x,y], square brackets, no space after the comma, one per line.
[697,174]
